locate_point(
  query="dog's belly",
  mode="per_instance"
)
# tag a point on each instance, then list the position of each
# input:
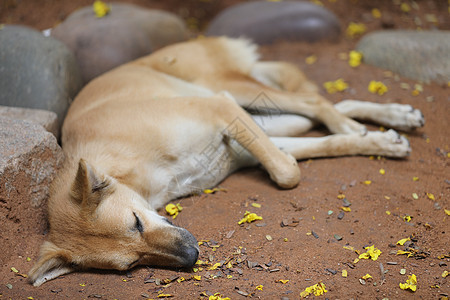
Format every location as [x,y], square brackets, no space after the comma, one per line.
[207,167]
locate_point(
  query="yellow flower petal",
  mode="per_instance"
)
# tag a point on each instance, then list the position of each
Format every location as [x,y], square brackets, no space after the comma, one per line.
[403,241]
[197,277]
[346,209]
[367,276]
[355,29]
[283,281]
[335,86]
[371,252]
[407,218]
[430,196]
[249,217]
[444,274]
[317,289]
[447,212]
[354,58]
[382,171]
[401,252]
[351,248]
[344,273]
[377,87]
[376,13]
[257,205]
[259,287]
[217,296]
[215,266]
[100,8]
[405,7]
[311,59]
[181,279]
[411,283]
[173,209]
[214,190]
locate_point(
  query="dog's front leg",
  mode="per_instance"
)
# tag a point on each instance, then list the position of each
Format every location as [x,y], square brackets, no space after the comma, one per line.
[389,144]
[238,125]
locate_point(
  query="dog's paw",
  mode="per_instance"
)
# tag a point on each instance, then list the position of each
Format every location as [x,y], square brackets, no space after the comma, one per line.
[404,117]
[389,143]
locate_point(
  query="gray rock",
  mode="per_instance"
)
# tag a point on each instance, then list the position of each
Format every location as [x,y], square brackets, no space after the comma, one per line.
[423,56]
[36,71]
[46,119]
[124,34]
[265,22]
[29,158]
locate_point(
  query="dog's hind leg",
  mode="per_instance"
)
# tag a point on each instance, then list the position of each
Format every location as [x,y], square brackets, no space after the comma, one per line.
[389,144]
[392,115]
[251,94]
[283,76]
[284,125]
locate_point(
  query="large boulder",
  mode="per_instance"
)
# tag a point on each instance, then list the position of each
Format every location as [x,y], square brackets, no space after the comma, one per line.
[29,158]
[265,22]
[127,32]
[36,71]
[46,119]
[419,55]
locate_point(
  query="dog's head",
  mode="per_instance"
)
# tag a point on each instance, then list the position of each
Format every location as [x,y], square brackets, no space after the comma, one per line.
[104,224]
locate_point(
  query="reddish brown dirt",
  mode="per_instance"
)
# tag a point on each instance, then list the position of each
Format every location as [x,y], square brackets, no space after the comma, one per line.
[298,256]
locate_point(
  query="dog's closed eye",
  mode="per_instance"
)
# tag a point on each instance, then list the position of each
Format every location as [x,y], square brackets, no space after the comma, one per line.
[138,225]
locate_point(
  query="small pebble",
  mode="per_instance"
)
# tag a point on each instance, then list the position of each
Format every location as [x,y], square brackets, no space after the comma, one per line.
[346,202]
[391,263]
[403,271]
[315,234]
[330,212]
[338,237]
[274,270]
[341,215]
[362,281]
[331,271]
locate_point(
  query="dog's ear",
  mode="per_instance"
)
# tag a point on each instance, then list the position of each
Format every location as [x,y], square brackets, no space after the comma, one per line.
[53,262]
[89,186]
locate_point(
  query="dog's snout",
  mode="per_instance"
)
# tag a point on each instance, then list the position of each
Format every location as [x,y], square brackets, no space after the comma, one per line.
[191,256]
[189,250]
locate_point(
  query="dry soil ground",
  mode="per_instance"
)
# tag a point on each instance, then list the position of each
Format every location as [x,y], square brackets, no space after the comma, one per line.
[310,249]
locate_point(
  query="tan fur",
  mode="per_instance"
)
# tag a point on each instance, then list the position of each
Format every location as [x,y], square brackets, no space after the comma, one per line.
[171,124]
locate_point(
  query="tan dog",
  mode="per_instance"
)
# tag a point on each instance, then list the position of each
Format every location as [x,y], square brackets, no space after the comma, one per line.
[170,124]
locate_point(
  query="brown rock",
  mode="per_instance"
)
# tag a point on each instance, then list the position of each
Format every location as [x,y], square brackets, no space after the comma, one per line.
[46,119]
[266,22]
[127,32]
[29,158]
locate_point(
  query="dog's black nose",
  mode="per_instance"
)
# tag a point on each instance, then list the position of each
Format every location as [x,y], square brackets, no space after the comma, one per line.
[187,248]
[191,256]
